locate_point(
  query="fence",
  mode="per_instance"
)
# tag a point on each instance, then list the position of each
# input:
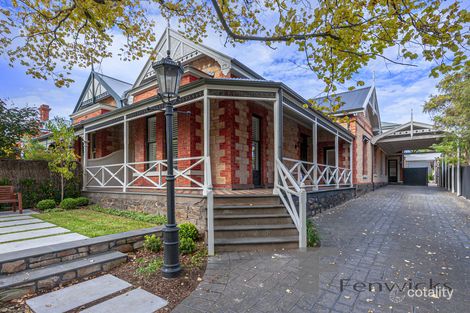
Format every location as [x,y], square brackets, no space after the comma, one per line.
[35,181]
[448,178]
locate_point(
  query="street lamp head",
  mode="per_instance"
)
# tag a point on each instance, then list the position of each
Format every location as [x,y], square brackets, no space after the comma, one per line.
[169,75]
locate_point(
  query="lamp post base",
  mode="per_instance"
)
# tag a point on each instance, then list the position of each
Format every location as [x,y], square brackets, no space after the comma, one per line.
[171,265]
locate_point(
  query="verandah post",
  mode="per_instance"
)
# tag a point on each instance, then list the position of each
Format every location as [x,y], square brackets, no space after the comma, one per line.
[207,165]
[303,217]
[336,160]
[351,167]
[126,153]
[315,153]
[278,131]
[84,158]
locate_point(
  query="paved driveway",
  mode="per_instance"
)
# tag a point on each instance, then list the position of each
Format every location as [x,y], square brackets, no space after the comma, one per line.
[402,235]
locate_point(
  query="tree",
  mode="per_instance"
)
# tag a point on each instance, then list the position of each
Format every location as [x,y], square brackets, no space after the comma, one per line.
[337,37]
[450,110]
[34,150]
[63,159]
[14,124]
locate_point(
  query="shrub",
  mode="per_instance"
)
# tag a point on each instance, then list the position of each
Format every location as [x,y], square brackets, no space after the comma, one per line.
[188,230]
[313,239]
[68,204]
[187,245]
[153,243]
[82,201]
[45,205]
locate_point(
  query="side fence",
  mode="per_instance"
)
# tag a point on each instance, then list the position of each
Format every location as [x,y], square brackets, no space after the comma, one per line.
[36,182]
[448,177]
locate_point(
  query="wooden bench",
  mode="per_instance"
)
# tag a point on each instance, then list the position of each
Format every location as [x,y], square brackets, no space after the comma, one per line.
[8,195]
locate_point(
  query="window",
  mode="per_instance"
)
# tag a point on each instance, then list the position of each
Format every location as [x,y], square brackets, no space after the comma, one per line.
[151,138]
[365,152]
[303,147]
[330,156]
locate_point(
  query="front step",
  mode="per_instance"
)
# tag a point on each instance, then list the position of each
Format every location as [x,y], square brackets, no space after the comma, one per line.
[257,244]
[252,222]
[255,231]
[51,276]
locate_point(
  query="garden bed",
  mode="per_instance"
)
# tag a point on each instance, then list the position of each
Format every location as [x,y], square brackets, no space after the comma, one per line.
[143,271]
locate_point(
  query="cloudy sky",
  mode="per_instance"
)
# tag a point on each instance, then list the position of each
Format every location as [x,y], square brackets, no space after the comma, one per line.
[399,88]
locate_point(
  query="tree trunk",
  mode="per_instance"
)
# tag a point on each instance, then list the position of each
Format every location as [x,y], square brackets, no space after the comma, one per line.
[61,187]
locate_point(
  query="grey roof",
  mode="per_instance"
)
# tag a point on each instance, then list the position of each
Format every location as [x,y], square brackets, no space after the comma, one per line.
[119,86]
[352,100]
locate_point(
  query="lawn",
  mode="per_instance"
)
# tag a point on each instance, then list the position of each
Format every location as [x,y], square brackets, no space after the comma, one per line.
[92,223]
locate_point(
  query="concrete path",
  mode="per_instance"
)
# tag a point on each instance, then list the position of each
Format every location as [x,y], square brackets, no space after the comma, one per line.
[22,231]
[397,236]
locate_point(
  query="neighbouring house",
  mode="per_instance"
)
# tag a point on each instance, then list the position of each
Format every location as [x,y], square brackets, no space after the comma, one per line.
[251,162]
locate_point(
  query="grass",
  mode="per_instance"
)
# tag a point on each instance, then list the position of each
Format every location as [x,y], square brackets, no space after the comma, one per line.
[91,223]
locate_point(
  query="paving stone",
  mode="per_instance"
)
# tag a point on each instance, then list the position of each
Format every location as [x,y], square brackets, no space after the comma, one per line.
[14,229]
[393,233]
[33,234]
[21,222]
[14,218]
[39,242]
[77,295]
[135,301]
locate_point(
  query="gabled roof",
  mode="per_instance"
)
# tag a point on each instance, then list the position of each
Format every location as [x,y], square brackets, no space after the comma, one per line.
[184,50]
[99,86]
[354,100]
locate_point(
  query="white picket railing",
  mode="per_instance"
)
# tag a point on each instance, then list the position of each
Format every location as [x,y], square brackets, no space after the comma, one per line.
[147,175]
[315,175]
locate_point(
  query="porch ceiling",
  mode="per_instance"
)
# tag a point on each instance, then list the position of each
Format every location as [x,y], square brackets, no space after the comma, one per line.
[396,145]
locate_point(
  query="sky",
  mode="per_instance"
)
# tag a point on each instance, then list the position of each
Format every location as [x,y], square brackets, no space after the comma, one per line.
[400,89]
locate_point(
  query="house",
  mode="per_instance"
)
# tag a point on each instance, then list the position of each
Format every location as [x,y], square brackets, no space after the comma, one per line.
[246,141]
[251,162]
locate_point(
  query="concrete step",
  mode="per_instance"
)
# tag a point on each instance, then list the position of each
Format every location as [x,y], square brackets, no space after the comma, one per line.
[256,244]
[51,276]
[250,209]
[20,228]
[251,219]
[78,295]
[14,218]
[239,231]
[21,222]
[4,238]
[246,199]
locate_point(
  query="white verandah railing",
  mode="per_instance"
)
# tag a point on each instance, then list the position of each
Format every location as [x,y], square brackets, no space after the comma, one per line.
[295,177]
[315,175]
[148,175]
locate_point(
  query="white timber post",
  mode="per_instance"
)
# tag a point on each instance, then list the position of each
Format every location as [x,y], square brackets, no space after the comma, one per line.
[459,187]
[303,217]
[315,153]
[441,177]
[337,160]
[351,167]
[210,222]
[85,158]
[207,144]
[278,131]
[126,153]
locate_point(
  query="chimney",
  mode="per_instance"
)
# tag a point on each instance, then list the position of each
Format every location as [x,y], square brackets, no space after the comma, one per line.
[44,110]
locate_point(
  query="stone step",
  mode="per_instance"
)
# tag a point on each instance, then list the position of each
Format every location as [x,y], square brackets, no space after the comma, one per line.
[239,231]
[15,229]
[78,295]
[11,213]
[256,244]
[250,209]
[135,301]
[31,234]
[251,219]
[246,199]
[51,276]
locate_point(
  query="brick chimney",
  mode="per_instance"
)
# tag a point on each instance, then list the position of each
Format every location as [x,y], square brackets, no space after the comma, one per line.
[44,110]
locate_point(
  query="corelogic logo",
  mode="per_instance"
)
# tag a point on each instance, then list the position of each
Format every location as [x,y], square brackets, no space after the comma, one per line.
[398,291]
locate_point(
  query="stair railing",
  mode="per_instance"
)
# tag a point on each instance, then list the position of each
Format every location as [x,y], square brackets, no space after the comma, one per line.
[294,197]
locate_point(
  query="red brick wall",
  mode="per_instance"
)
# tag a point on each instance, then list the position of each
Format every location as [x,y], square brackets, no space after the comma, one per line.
[89,115]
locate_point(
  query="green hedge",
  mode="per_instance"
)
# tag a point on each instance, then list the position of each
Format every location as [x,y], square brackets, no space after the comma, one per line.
[47,204]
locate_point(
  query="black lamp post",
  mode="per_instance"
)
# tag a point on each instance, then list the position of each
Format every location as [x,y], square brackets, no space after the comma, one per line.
[168,76]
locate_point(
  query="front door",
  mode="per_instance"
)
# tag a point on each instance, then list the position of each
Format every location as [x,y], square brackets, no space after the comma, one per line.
[256,150]
[392,171]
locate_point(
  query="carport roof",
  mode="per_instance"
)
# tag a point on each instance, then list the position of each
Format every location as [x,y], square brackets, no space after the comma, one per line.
[408,136]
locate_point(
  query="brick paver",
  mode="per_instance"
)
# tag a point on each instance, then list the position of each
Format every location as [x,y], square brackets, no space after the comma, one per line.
[398,234]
